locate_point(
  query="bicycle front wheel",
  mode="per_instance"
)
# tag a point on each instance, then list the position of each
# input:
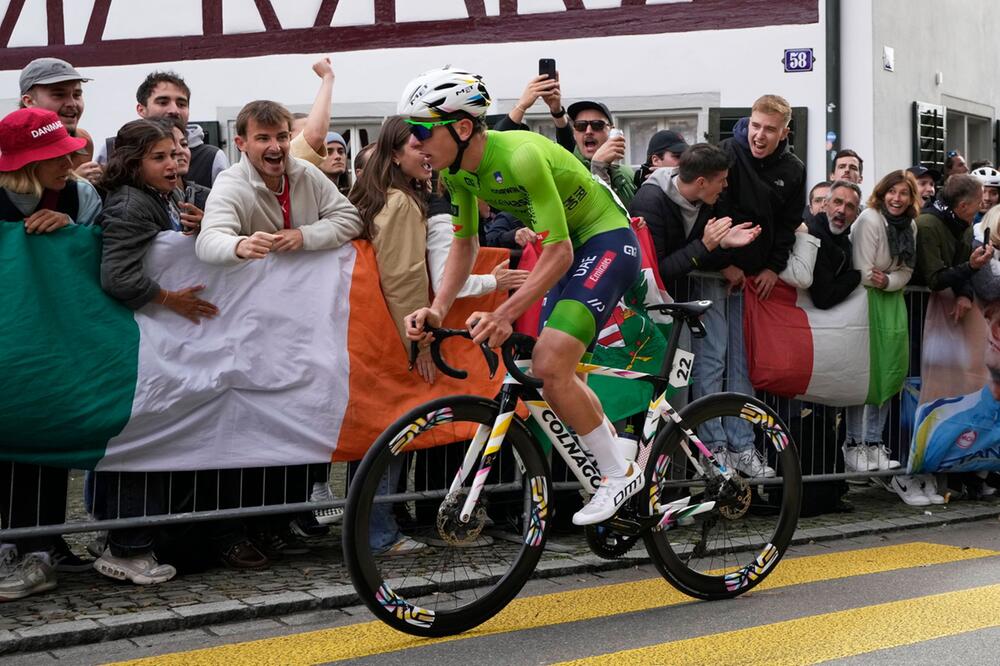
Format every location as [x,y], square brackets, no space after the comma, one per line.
[457,567]
[730,548]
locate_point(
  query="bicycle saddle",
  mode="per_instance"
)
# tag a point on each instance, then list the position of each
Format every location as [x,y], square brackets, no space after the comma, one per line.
[690,310]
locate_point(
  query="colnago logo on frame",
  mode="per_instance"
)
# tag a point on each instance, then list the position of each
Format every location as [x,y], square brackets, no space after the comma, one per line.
[566,441]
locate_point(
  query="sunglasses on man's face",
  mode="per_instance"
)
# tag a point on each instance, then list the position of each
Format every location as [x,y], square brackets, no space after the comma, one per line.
[421,129]
[596,125]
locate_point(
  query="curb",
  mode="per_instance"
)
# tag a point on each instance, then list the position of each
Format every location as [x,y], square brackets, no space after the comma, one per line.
[88,631]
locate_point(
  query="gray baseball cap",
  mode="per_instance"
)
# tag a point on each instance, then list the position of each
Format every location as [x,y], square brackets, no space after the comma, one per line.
[46,71]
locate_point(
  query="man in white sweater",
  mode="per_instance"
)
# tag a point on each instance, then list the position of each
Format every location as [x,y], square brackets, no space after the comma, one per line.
[270,201]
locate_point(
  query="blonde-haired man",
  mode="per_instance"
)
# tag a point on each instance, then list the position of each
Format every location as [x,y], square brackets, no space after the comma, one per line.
[767,188]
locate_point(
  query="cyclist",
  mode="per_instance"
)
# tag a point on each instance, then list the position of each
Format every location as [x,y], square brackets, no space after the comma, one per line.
[590,258]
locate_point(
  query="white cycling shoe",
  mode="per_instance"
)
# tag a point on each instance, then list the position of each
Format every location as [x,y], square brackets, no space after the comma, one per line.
[610,496]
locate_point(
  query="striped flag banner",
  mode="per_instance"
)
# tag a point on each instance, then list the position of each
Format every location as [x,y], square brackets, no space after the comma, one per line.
[854,353]
[303,363]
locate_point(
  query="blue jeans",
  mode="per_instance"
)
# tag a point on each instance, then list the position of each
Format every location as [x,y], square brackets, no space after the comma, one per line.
[720,362]
[383,530]
[865,423]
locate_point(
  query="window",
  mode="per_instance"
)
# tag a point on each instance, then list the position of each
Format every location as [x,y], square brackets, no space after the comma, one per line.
[970,135]
[639,130]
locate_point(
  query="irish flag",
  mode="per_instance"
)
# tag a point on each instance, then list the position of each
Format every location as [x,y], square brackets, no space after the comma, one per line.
[303,363]
[854,353]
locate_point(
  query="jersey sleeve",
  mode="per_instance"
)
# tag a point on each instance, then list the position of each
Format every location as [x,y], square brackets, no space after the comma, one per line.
[547,210]
[464,209]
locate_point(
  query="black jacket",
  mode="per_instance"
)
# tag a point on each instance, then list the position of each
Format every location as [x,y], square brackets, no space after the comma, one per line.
[770,192]
[131,219]
[834,277]
[677,253]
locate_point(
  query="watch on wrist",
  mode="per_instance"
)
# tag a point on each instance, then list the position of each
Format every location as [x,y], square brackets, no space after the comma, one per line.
[560,113]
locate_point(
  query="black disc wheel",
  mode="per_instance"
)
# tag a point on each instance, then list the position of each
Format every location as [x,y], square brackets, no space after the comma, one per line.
[729,548]
[421,559]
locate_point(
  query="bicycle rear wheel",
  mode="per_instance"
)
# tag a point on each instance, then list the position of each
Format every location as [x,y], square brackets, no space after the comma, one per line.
[731,548]
[466,572]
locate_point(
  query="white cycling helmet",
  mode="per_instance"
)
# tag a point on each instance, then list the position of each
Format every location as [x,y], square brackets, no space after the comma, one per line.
[444,91]
[988,176]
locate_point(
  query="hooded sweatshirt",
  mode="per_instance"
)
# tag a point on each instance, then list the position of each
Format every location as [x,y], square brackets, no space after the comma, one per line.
[676,226]
[769,192]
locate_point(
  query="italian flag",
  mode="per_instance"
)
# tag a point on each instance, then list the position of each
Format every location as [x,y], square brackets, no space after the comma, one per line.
[852,354]
[303,363]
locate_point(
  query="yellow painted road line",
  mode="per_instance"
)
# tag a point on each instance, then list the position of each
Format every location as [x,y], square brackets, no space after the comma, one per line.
[368,638]
[819,638]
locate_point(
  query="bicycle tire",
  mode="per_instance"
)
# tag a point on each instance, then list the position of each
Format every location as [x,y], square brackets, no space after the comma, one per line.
[417,607]
[682,564]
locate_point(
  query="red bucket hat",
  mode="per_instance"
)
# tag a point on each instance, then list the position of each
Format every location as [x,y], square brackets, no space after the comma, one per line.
[33,135]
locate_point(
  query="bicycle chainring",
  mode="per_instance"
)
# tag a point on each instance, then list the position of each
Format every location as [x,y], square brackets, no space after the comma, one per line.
[608,544]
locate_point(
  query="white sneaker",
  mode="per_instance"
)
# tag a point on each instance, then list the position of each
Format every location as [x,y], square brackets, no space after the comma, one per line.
[909,490]
[878,458]
[403,546]
[610,496]
[749,462]
[856,458]
[34,573]
[928,486]
[986,490]
[321,492]
[140,569]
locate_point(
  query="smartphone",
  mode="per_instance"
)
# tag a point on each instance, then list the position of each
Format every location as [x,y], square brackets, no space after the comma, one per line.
[547,67]
[986,235]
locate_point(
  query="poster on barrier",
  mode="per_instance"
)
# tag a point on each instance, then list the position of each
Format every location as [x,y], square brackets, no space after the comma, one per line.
[957,424]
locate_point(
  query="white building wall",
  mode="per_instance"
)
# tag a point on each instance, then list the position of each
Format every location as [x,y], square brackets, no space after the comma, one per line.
[719,67]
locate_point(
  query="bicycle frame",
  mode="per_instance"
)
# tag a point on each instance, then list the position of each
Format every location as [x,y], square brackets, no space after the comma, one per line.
[569,446]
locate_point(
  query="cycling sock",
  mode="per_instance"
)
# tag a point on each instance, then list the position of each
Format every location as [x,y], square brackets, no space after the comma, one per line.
[601,442]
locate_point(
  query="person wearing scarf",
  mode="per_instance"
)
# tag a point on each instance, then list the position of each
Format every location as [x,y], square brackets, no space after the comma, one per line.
[884,242]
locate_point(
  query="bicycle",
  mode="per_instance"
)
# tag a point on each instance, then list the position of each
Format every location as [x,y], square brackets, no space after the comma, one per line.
[496,476]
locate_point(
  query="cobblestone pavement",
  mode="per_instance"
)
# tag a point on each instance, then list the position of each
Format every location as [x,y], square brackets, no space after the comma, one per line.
[87,607]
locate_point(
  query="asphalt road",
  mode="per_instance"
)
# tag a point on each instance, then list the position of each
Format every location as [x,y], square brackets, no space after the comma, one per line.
[927,596]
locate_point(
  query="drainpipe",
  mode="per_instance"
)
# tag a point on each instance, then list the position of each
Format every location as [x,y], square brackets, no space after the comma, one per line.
[832,80]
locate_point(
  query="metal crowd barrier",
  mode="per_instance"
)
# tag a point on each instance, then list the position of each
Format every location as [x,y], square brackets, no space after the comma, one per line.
[193,497]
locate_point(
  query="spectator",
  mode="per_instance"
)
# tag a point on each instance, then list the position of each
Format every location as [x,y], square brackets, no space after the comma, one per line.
[885,239]
[36,185]
[927,180]
[548,91]
[847,165]
[190,196]
[309,131]
[335,164]
[990,179]
[600,152]
[269,201]
[166,94]
[979,164]
[679,208]
[53,84]
[834,275]
[944,241]
[767,187]
[361,160]
[954,164]
[664,151]
[817,198]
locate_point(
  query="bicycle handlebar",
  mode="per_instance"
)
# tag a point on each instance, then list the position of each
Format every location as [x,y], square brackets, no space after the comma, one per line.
[516,344]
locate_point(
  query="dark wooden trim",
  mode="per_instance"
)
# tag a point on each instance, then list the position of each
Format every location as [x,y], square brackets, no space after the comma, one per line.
[476,8]
[325,13]
[385,11]
[54,19]
[267,15]
[98,21]
[649,19]
[573,4]
[10,18]
[633,3]
[508,8]
[211,17]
